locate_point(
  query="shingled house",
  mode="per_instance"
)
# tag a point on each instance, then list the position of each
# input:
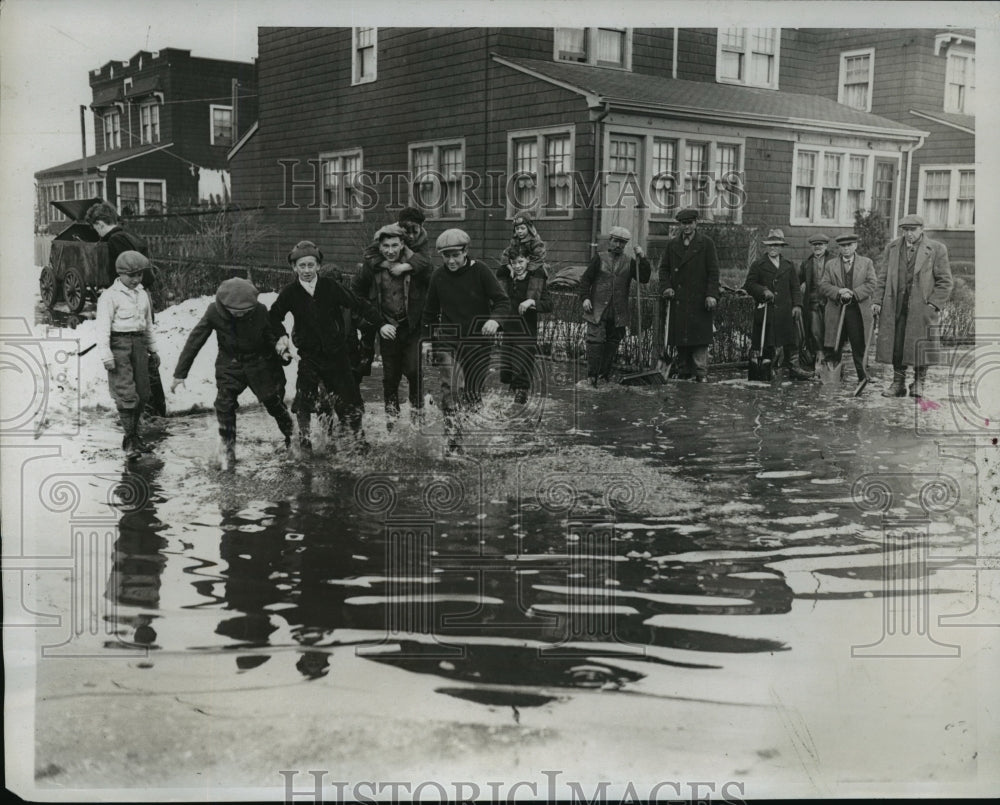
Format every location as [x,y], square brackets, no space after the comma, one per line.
[589,128]
[163,124]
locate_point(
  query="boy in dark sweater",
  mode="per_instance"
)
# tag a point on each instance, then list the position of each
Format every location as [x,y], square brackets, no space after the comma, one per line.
[318,305]
[246,358]
[528,297]
[464,303]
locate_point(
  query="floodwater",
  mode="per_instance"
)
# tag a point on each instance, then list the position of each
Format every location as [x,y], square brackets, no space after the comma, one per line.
[620,541]
[620,512]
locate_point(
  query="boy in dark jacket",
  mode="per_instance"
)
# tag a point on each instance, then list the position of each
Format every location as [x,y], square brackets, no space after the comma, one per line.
[396,284]
[318,305]
[529,297]
[525,240]
[464,303]
[246,358]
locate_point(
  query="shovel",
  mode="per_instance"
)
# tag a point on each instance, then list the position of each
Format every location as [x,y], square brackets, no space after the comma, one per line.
[650,377]
[666,362]
[831,374]
[864,365]
[760,367]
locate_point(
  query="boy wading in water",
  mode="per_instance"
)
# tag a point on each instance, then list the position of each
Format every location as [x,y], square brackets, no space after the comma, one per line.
[246,357]
[127,346]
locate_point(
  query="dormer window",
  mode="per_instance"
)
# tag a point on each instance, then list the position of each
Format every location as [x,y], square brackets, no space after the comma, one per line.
[222,125]
[365,60]
[112,130]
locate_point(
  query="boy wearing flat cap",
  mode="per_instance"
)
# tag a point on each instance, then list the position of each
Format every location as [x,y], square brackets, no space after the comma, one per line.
[126,345]
[848,282]
[604,291]
[464,306]
[813,303]
[318,305]
[773,280]
[246,357]
[914,282]
[689,284]
[396,284]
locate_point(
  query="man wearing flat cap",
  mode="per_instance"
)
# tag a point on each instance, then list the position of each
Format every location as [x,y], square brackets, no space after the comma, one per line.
[126,345]
[914,282]
[604,291]
[772,280]
[689,283]
[318,306]
[848,284]
[813,303]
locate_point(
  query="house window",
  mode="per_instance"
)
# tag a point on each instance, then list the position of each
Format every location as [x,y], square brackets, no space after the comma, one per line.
[856,76]
[92,190]
[141,196]
[829,186]
[857,171]
[946,196]
[149,122]
[748,56]
[47,213]
[664,184]
[541,163]
[603,47]
[436,171]
[365,57]
[112,130]
[341,188]
[960,81]
[693,173]
[222,125]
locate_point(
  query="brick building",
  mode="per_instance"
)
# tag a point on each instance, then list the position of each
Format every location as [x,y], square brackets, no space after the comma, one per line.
[163,124]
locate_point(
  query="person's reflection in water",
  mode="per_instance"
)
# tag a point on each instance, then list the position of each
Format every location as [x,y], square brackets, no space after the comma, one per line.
[314,664]
[138,558]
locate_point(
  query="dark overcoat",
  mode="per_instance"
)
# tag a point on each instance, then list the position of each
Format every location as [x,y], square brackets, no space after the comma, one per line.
[783,282]
[693,274]
[832,280]
[932,284]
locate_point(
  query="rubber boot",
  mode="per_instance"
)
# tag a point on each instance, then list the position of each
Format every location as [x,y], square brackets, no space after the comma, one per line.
[898,387]
[277,409]
[919,378]
[128,422]
[305,442]
[795,370]
[137,439]
[391,411]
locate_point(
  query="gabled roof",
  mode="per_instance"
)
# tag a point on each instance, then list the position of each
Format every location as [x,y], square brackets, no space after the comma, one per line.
[704,100]
[966,123]
[102,162]
[243,140]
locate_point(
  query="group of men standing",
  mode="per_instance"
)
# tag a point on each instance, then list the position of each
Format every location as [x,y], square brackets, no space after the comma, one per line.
[842,293]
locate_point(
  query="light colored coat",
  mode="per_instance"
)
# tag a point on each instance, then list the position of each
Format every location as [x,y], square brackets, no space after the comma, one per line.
[932,284]
[832,280]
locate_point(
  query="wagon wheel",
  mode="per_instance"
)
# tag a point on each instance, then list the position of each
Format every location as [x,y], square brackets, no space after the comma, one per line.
[73,290]
[47,286]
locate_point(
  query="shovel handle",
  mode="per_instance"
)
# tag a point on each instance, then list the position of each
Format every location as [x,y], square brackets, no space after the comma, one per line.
[763,329]
[840,328]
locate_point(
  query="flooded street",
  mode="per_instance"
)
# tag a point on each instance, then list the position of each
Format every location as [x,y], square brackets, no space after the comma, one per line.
[638,584]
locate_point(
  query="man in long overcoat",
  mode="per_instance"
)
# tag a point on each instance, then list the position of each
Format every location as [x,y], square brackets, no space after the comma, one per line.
[813,303]
[848,283]
[914,282]
[689,283]
[772,280]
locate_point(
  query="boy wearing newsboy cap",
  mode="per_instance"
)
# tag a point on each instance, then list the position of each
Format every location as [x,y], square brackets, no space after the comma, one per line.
[127,346]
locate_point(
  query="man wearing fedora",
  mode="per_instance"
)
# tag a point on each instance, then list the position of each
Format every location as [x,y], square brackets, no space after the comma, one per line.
[689,282]
[772,280]
[604,292]
[814,305]
[914,282]
[848,282]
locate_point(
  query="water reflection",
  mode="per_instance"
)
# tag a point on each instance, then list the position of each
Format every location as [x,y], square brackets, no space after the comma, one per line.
[515,593]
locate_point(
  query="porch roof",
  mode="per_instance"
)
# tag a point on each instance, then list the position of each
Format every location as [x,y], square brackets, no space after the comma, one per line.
[705,100]
[966,123]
